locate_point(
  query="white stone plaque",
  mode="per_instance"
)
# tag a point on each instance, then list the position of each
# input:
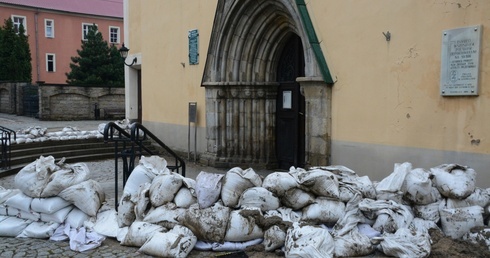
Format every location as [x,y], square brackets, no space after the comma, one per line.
[460,61]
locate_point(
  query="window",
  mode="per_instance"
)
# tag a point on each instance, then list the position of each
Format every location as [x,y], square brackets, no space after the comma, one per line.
[114,34]
[85,28]
[49,28]
[50,62]
[18,20]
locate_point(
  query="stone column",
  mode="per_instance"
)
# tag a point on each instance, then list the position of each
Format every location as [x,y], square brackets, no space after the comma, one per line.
[318,120]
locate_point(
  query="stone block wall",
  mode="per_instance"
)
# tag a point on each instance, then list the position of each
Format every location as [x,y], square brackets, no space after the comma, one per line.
[8,96]
[77,103]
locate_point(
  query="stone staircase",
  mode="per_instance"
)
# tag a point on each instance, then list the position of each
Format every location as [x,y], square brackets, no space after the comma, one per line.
[72,150]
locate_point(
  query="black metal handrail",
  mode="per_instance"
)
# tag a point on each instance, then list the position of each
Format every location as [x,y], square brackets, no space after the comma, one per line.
[137,129]
[5,142]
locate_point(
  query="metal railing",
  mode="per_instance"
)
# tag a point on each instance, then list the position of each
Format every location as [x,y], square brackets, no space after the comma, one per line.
[5,142]
[129,146]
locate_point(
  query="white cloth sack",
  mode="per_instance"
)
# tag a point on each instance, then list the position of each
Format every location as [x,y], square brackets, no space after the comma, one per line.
[235,246]
[48,205]
[242,228]
[164,187]
[208,224]
[178,242]
[308,242]
[139,232]
[392,187]
[318,181]
[419,189]
[39,230]
[297,199]
[235,182]
[106,223]
[58,216]
[274,238]
[406,244]
[66,176]
[279,182]
[12,226]
[324,210]
[76,218]
[125,211]
[32,178]
[19,201]
[259,197]
[453,180]
[457,222]
[92,194]
[208,188]
[167,215]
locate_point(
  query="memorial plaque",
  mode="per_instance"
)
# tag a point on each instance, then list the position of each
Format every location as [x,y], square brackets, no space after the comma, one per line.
[193,47]
[460,61]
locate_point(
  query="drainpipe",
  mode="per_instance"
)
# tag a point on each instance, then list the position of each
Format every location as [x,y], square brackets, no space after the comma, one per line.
[36,39]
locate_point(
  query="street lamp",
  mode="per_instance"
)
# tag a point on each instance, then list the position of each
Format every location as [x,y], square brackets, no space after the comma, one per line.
[124,53]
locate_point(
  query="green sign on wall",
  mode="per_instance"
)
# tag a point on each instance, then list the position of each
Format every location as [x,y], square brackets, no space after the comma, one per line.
[193,47]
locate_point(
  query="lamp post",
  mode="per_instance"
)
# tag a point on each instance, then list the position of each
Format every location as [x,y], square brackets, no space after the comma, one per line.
[124,53]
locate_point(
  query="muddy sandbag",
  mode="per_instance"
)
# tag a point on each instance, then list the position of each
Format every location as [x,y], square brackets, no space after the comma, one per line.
[274,238]
[279,182]
[423,225]
[32,178]
[405,244]
[284,214]
[65,177]
[389,215]
[457,222]
[147,169]
[296,198]
[139,232]
[427,212]
[167,215]
[419,189]
[142,201]
[318,181]
[164,187]
[259,197]
[392,187]
[208,188]
[106,223]
[125,211]
[477,236]
[353,244]
[453,180]
[177,242]
[324,211]
[242,228]
[184,198]
[306,241]
[235,182]
[88,196]
[208,224]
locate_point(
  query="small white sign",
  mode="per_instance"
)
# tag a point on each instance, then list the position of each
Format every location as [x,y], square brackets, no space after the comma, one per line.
[287,99]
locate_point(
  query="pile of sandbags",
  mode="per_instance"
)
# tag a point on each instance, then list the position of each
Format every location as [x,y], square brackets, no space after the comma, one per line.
[38,134]
[48,195]
[328,211]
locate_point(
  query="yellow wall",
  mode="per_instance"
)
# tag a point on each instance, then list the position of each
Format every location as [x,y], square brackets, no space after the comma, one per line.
[388,92]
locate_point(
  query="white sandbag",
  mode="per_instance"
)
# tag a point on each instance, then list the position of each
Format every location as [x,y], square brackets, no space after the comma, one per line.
[353,244]
[318,181]
[457,222]
[208,188]
[184,198]
[324,210]
[274,238]
[12,226]
[39,230]
[364,184]
[427,212]
[285,214]
[145,172]
[480,197]
[164,187]
[178,242]
[279,182]
[389,215]
[422,225]
[351,218]
[30,215]
[125,211]
[155,164]
[106,223]
[242,228]
[3,210]
[419,189]
[208,224]
[296,198]
[308,242]
[406,244]
[235,182]
[48,205]
[58,216]
[453,180]
[5,194]
[392,187]
[76,218]
[478,236]
[139,232]
[68,175]
[121,233]
[92,193]
[32,178]
[259,197]
[347,192]
[449,203]
[3,217]
[235,246]
[367,230]
[19,201]
[167,215]
[142,201]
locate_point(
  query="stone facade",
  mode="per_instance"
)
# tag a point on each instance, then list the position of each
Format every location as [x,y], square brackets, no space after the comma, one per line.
[77,103]
[8,97]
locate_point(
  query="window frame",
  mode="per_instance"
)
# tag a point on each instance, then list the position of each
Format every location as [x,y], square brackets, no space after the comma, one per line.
[83,29]
[118,39]
[46,28]
[24,22]
[53,61]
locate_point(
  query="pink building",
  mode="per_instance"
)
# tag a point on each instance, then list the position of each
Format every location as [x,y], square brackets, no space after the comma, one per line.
[56,27]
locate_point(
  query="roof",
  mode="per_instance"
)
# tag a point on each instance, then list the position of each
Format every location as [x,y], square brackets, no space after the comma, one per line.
[110,8]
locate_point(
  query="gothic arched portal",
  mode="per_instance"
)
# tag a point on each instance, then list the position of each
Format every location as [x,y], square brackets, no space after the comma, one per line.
[241,80]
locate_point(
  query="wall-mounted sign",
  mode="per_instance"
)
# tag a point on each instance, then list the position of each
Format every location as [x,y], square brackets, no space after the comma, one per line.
[193,47]
[287,99]
[460,61]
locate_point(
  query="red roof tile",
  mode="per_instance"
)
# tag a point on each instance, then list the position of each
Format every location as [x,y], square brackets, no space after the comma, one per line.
[111,8]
